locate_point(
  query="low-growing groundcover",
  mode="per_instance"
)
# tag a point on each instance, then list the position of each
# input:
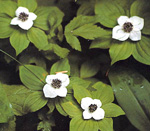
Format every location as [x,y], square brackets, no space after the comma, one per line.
[74,65]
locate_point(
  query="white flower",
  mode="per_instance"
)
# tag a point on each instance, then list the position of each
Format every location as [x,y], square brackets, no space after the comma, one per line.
[24,18]
[128,28]
[56,85]
[92,108]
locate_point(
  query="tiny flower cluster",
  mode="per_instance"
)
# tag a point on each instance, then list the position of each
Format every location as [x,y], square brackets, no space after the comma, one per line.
[56,85]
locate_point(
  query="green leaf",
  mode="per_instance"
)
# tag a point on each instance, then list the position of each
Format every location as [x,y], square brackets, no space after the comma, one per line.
[79,124]
[74,24]
[75,61]
[60,34]
[58,50]
[112,110]
[89,69]
[46,15]
[55,19]
[19,41]
[92,81]
[73,41]
[5,27]
[87,8]
[106,124]
[34,102]
[141,9]
[61,65]
[33,79]
[80,21]
[71,109]
[120,51]
[58,104]
[88,31]
[31,5]
[50,55]
[132,92]
[44,126]
[141,51]
[42,17]
[101,43]
[51,105]
[29,58]
[78,81]
[17,95]
[75,72]
[37,37]
[80,92]
[103,92]
[109,12]
[46,123]
[70,98]
[104,41]
[10,126]
[126,4]
[6,112]
[6,8]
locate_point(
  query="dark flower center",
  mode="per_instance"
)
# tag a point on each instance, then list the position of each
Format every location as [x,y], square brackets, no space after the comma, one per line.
[56,83]
[127,27]
[23,16]
[92,107]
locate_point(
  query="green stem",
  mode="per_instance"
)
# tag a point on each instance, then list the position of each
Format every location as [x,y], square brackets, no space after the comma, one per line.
[22,65]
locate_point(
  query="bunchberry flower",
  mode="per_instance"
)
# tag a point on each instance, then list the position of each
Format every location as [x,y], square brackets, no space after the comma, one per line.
[24,18]
[128,28]
[92,108]
[56,85]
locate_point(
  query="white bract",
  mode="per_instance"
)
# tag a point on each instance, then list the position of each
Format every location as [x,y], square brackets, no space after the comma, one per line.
[128,28]
[92,108]
[56,85]
[24,18]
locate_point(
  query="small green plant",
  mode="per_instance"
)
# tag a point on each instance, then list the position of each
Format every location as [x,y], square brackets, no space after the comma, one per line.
[56,67]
